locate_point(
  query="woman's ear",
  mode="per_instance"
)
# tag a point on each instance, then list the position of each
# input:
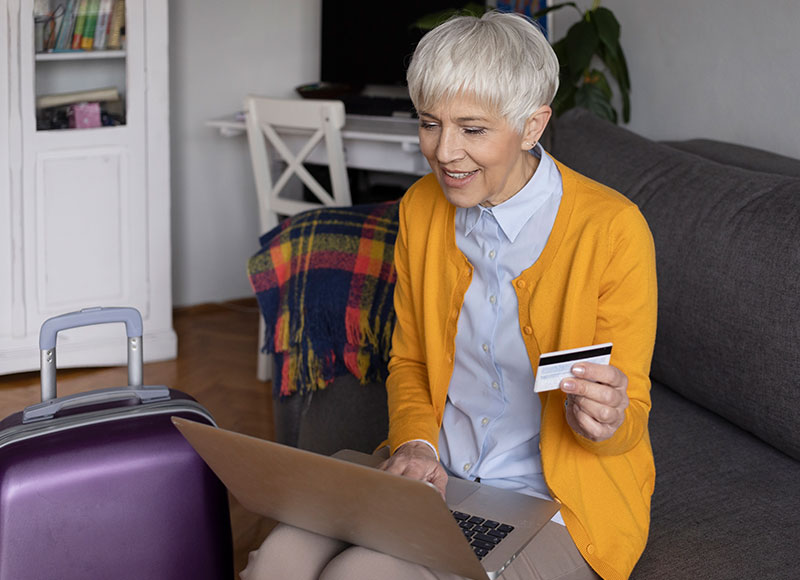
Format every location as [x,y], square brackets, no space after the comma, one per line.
[535,126]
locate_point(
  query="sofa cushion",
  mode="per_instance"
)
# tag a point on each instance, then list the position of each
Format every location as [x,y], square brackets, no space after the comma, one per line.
[725,503]
[728,258]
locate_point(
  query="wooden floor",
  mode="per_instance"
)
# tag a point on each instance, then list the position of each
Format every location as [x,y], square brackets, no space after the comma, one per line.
[216,364]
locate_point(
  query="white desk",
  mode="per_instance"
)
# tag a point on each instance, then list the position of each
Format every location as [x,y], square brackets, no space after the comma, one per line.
[374,143]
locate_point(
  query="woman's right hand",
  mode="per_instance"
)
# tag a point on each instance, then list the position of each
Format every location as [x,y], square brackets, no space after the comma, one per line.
[417,460]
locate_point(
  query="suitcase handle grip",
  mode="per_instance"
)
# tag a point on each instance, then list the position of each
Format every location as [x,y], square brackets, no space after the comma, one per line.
[88,317]
[48,409]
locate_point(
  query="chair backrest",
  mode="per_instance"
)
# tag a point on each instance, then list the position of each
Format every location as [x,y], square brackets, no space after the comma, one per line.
[269,121]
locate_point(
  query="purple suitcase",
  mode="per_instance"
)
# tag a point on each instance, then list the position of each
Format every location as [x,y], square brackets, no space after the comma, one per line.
[102,485]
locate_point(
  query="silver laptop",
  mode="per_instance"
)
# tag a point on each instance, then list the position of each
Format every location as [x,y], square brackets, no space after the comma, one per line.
[344,497]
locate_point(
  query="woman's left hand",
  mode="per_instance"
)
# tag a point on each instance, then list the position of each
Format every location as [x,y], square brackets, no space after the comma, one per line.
[596,400]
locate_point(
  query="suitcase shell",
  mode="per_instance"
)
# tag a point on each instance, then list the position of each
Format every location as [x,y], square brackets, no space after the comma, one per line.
[102,485]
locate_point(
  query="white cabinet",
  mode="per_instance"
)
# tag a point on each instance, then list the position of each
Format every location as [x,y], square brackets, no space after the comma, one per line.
[84,213]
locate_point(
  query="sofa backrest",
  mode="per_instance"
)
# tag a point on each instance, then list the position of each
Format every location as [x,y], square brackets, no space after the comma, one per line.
[728,258]
[740,156]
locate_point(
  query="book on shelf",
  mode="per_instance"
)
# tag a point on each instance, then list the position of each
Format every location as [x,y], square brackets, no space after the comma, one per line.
[61,99]
[80,23]
[64,39]
[116,26]
[86,25]
[103,20]
[87,40]
[53,26]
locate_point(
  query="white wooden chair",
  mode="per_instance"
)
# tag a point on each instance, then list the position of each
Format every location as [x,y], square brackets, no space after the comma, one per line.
[322,122]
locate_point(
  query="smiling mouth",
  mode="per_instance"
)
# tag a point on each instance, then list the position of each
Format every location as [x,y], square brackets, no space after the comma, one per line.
[461,175]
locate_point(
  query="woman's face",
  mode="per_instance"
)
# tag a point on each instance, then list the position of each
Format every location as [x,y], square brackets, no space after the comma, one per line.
[476,155]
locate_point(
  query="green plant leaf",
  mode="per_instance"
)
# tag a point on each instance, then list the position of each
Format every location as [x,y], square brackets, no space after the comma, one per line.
[564,99]
[560,48]
[626,106]
[615,62]
[597,78]
[582,42]
[474,8]
[434,19]
[625,87]
[607,26]
[623,66]
[591,97]
[544,12]
[608,30]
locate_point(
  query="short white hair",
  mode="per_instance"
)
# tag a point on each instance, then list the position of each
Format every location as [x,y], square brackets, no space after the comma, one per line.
[501,59]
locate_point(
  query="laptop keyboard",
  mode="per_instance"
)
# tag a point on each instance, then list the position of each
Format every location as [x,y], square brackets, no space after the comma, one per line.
[483,535]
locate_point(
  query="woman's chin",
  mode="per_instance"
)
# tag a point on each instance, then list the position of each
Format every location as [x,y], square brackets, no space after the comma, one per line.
[461,199]
[462,196]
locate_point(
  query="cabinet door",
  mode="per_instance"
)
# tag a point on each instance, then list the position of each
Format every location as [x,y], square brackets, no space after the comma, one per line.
[85,222]
[84,203]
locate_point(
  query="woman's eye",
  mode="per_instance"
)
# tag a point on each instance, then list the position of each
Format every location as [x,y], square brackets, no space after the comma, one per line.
[426,125]
[475,131]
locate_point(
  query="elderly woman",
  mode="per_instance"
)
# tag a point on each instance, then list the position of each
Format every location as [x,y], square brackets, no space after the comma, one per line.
[503,254]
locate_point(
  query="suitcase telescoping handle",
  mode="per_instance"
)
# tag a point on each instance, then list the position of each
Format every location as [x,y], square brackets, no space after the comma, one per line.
[51,405]
[89,317]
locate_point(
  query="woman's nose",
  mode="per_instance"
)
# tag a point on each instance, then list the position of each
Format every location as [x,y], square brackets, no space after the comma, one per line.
[449,147]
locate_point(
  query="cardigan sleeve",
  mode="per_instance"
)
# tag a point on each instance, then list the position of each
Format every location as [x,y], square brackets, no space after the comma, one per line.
[411,412]
[627,307]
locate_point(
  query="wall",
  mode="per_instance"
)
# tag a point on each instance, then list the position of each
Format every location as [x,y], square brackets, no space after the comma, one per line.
[723,69]
[219,51]
[720,69]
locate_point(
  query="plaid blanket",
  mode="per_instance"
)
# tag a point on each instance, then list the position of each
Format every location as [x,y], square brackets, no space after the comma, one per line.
[324,280]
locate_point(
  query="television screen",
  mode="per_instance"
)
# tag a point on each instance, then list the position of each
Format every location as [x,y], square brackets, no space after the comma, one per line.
[365,42]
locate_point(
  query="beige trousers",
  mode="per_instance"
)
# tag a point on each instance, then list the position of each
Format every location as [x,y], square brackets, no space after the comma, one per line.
[290,552]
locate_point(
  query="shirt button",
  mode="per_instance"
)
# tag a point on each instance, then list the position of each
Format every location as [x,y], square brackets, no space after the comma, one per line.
[467,467]
[484,421]
[495,385]
[485,347]
[527,330]
[521,284]
[493,299]
[492,254]
[590,548]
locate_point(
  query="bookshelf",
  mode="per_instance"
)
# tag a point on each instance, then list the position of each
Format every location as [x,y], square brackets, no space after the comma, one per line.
[86,205]
[79,47]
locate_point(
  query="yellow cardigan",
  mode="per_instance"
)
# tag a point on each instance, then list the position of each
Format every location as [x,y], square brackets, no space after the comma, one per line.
[594,282]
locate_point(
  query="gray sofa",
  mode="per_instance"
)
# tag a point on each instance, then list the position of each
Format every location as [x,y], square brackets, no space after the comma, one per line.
[725,423]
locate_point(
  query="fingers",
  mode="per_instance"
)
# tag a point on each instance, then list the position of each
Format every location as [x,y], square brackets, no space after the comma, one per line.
[417,460]
[596,400]
[597,373]
[604,384]
[593,421]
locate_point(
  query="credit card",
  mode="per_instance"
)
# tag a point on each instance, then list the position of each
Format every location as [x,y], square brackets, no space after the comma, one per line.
[555,366]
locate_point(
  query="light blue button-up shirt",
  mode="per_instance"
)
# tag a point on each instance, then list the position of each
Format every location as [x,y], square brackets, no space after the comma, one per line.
[491,420]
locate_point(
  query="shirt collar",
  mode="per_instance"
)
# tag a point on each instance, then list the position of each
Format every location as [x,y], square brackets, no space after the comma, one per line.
[514,213]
